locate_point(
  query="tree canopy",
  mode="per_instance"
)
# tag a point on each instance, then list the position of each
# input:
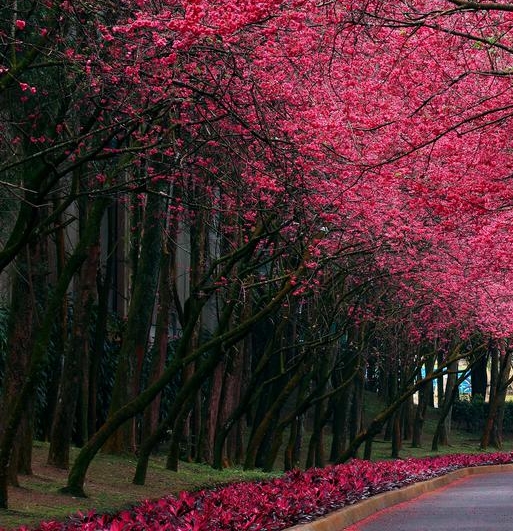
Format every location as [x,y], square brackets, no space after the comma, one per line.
[327,167]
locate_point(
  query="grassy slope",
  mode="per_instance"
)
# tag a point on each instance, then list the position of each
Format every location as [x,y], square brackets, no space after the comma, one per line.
[109,484]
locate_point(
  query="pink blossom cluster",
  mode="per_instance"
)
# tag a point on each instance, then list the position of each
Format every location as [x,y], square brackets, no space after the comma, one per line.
[274,504]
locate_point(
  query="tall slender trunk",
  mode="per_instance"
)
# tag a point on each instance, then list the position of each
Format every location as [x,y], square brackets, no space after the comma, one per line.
[492,432]
[135,337]
[104,286]
[40,349]
[20,338]
[423,402]
[356,413]
[441,435]
[397,440]
[159,351]
[76,363]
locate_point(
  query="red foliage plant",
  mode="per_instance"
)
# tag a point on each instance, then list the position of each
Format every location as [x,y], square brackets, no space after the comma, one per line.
[274,504]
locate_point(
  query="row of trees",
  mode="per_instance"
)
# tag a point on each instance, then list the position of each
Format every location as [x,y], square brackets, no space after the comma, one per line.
[245,213]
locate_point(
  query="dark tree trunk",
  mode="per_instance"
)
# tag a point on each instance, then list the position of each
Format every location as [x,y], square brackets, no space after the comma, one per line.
[40,349]
[20,338]
[439,382]
[479,376]
[441,435]
[356,418]
[397,441]
[407,419]
[322,374]
[104,286]
[259,434]
[316,456]
[424,396]
[135,337]
[292,450]
[160,345]
[76,363]
[212,413]
[341,410]
[492,432]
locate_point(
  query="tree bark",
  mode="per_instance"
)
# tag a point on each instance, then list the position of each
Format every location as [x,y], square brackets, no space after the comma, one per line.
[20,339]
[76,477]
[76,363]
[424,395]
[441,435]
[104,286]
[135,338]
[492,432]
[39,352]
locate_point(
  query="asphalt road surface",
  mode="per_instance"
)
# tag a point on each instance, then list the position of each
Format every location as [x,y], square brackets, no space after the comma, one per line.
[482,502]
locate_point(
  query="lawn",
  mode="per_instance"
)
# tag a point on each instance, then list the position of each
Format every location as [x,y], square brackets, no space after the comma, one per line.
[109,485]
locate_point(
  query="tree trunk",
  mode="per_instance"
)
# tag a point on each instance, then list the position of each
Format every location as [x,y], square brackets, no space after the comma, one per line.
[479,376]
[104,286]
[322,374]
[261,430]
[161,341]
[492,432]
[316,457]
[407,419]
[251,391]
[20,338]
[76,363]
[341,409]
[135,337]
[356,418]
[424,396]
[441,435]
[39,352]
[291,454]
[76,477]
[397,441]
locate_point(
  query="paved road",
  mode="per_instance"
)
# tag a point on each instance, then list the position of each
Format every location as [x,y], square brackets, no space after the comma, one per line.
[481,502]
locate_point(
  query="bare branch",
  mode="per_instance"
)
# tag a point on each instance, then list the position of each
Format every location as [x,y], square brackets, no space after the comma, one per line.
[482,6]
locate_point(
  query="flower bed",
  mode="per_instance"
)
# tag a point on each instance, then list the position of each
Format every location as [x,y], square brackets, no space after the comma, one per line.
[274,504]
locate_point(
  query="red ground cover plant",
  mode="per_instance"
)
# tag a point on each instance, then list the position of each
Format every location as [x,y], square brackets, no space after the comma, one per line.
[275,504]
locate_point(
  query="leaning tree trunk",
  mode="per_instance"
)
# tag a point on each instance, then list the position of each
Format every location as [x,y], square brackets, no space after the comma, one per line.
[76,477]
[251,390]
[258,435]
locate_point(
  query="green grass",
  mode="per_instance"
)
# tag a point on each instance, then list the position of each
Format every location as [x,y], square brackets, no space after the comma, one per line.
[108,486]
[109,482]
[460,440]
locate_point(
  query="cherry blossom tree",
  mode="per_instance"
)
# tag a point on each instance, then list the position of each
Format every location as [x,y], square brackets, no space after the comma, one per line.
[296,143]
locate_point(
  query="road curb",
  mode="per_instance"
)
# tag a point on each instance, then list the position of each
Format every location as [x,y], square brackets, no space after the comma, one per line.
[347,516]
